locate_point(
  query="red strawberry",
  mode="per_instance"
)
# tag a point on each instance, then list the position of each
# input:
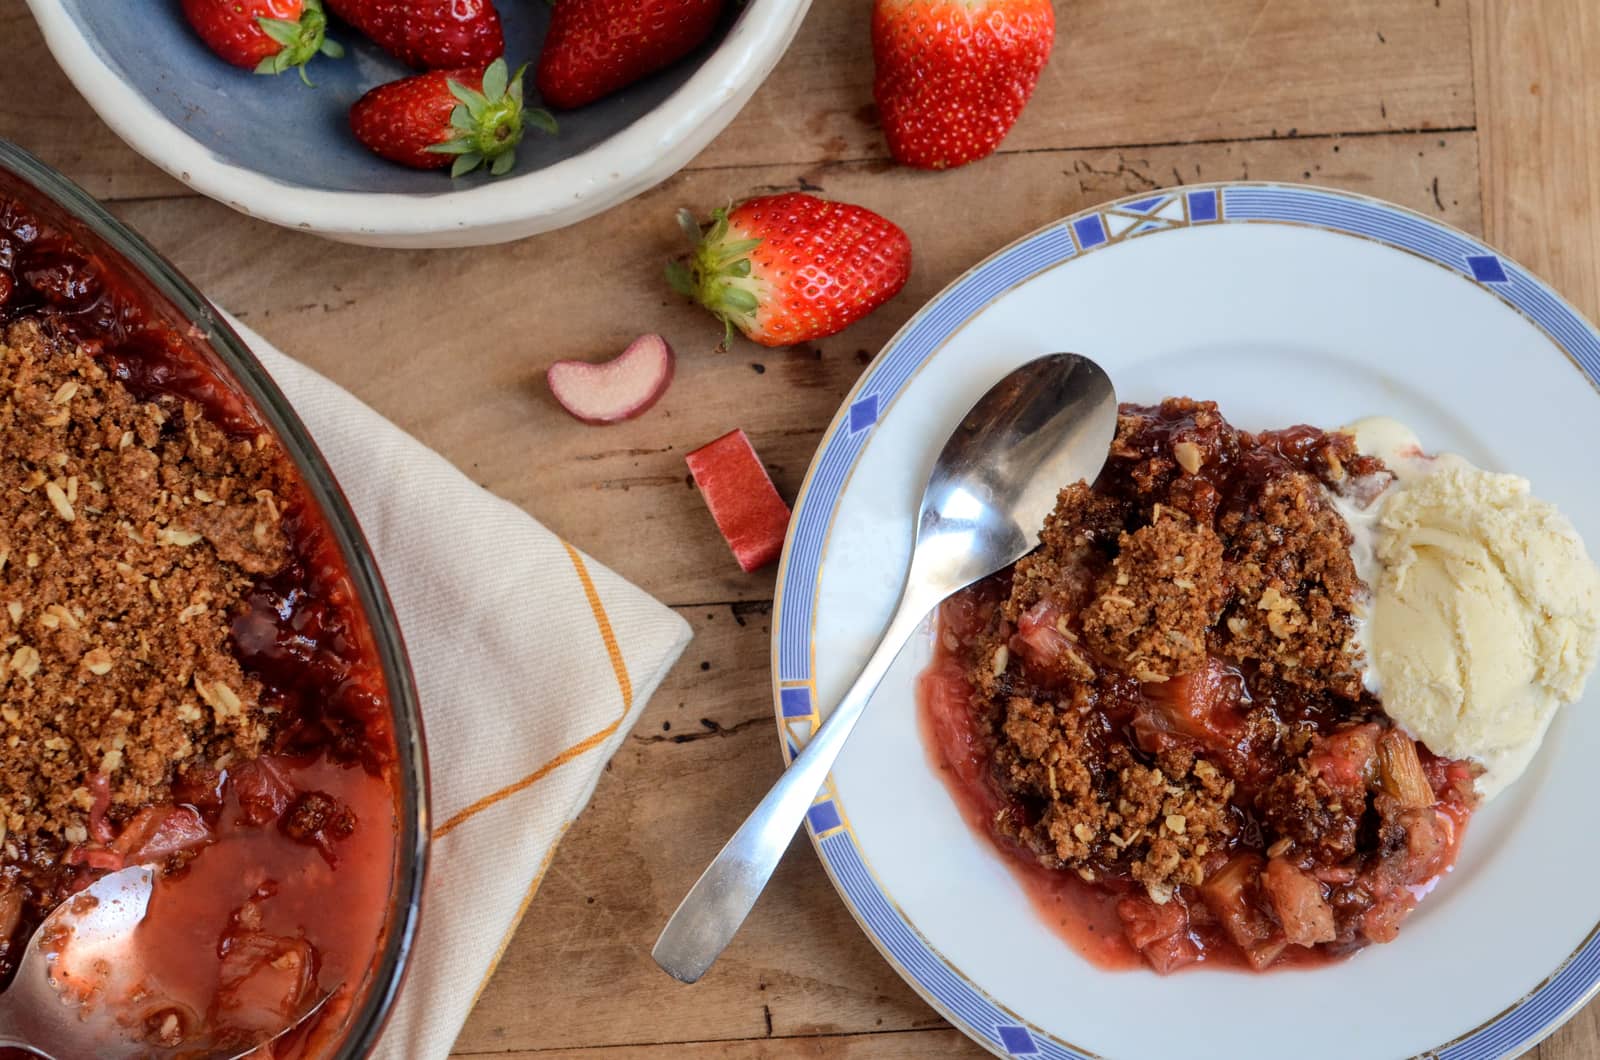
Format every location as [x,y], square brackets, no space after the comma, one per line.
[790,268]
[428,34]
[427,120]
[268,36]
[595,47]
[952,75]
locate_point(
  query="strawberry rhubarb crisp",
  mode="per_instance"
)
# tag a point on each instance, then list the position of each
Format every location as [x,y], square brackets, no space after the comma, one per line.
[185,681]
[130,535]
[1160,715]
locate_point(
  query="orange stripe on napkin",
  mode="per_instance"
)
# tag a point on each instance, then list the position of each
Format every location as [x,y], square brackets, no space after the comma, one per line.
[618,667]
[624,685]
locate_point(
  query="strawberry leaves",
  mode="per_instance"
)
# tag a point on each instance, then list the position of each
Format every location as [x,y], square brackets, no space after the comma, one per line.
[718,273]
[486,124]
[299,42]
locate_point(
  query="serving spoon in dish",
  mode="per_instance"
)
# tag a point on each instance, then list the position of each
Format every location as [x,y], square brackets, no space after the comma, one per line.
[61,1006]
[1046,424]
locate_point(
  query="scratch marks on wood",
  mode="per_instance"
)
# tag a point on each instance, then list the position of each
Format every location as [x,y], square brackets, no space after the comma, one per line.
[1237,58]
[606,454]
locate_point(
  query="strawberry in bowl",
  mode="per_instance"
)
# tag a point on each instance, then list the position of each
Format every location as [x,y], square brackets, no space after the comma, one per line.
[596,47]
[428,34]
[267,36]
[454,118]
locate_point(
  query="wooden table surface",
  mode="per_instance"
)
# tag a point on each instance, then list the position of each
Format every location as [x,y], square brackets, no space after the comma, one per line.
[1476,112]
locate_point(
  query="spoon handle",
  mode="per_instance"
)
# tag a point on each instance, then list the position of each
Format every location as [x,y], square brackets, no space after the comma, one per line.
[710,914]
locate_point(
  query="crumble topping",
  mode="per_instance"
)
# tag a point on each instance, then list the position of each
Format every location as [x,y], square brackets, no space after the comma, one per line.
[1291,585]
[1202,546]
[130,532]
[1155,602]
[1295,587]
[1102,807]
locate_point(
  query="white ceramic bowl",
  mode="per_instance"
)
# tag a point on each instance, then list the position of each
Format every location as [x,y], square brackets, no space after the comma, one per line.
[273,149]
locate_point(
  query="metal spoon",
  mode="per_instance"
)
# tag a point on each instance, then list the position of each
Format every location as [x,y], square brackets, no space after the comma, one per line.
[1046,424]
[62,1003]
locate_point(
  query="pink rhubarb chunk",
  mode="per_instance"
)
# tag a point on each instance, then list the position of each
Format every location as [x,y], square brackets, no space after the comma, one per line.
[742,499]
[618,389]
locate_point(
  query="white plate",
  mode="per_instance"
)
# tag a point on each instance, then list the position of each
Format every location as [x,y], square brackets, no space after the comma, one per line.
[1285,305]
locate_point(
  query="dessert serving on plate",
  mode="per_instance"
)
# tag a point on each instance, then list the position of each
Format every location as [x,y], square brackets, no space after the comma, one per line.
[1240,705]
[187,678]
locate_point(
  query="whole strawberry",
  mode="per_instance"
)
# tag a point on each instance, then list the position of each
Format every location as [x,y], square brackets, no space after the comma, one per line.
[790,268]
[952,75]
[458,118]
[428,34]
[595,47]
[267,36]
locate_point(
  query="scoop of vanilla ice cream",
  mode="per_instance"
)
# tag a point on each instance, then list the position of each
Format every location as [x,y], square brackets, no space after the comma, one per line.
[1485,616]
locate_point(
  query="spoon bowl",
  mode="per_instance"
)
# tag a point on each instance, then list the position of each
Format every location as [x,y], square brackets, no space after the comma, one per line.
[80,963]
[1046,424]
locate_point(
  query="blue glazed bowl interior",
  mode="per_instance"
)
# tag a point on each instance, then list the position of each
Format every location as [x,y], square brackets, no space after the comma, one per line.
[301,136]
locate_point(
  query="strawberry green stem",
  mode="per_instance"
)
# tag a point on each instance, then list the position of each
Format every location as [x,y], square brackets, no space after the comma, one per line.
[299,42]
[487,124]
[717,274]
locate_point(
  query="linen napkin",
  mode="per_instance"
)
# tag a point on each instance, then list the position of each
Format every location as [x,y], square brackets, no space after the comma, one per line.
[532,663]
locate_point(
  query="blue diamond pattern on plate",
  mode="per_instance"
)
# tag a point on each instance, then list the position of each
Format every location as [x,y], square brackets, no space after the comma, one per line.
[1486,268]
[864,413]
[1017,1040]
[824,817]
[1203,205]
[1091,232]
[796,702]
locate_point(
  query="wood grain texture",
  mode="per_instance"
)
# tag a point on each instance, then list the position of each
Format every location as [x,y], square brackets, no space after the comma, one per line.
[470,384]
[1158,71]
[885,1045]
[1537,97]
[41,111]
[678,786]
[1538,106]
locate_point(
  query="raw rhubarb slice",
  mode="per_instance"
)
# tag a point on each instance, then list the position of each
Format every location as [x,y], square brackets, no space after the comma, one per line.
[618,389]
[743,501]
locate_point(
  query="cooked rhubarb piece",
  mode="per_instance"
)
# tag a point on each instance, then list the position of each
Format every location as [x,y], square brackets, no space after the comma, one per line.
[743,501]
[1401,769]
[1159,932]
[1297,898]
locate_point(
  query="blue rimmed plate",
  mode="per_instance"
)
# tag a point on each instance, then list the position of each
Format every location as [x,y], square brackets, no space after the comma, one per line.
[1286,305]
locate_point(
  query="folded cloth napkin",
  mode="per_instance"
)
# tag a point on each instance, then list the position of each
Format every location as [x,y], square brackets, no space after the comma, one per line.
[532,663]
